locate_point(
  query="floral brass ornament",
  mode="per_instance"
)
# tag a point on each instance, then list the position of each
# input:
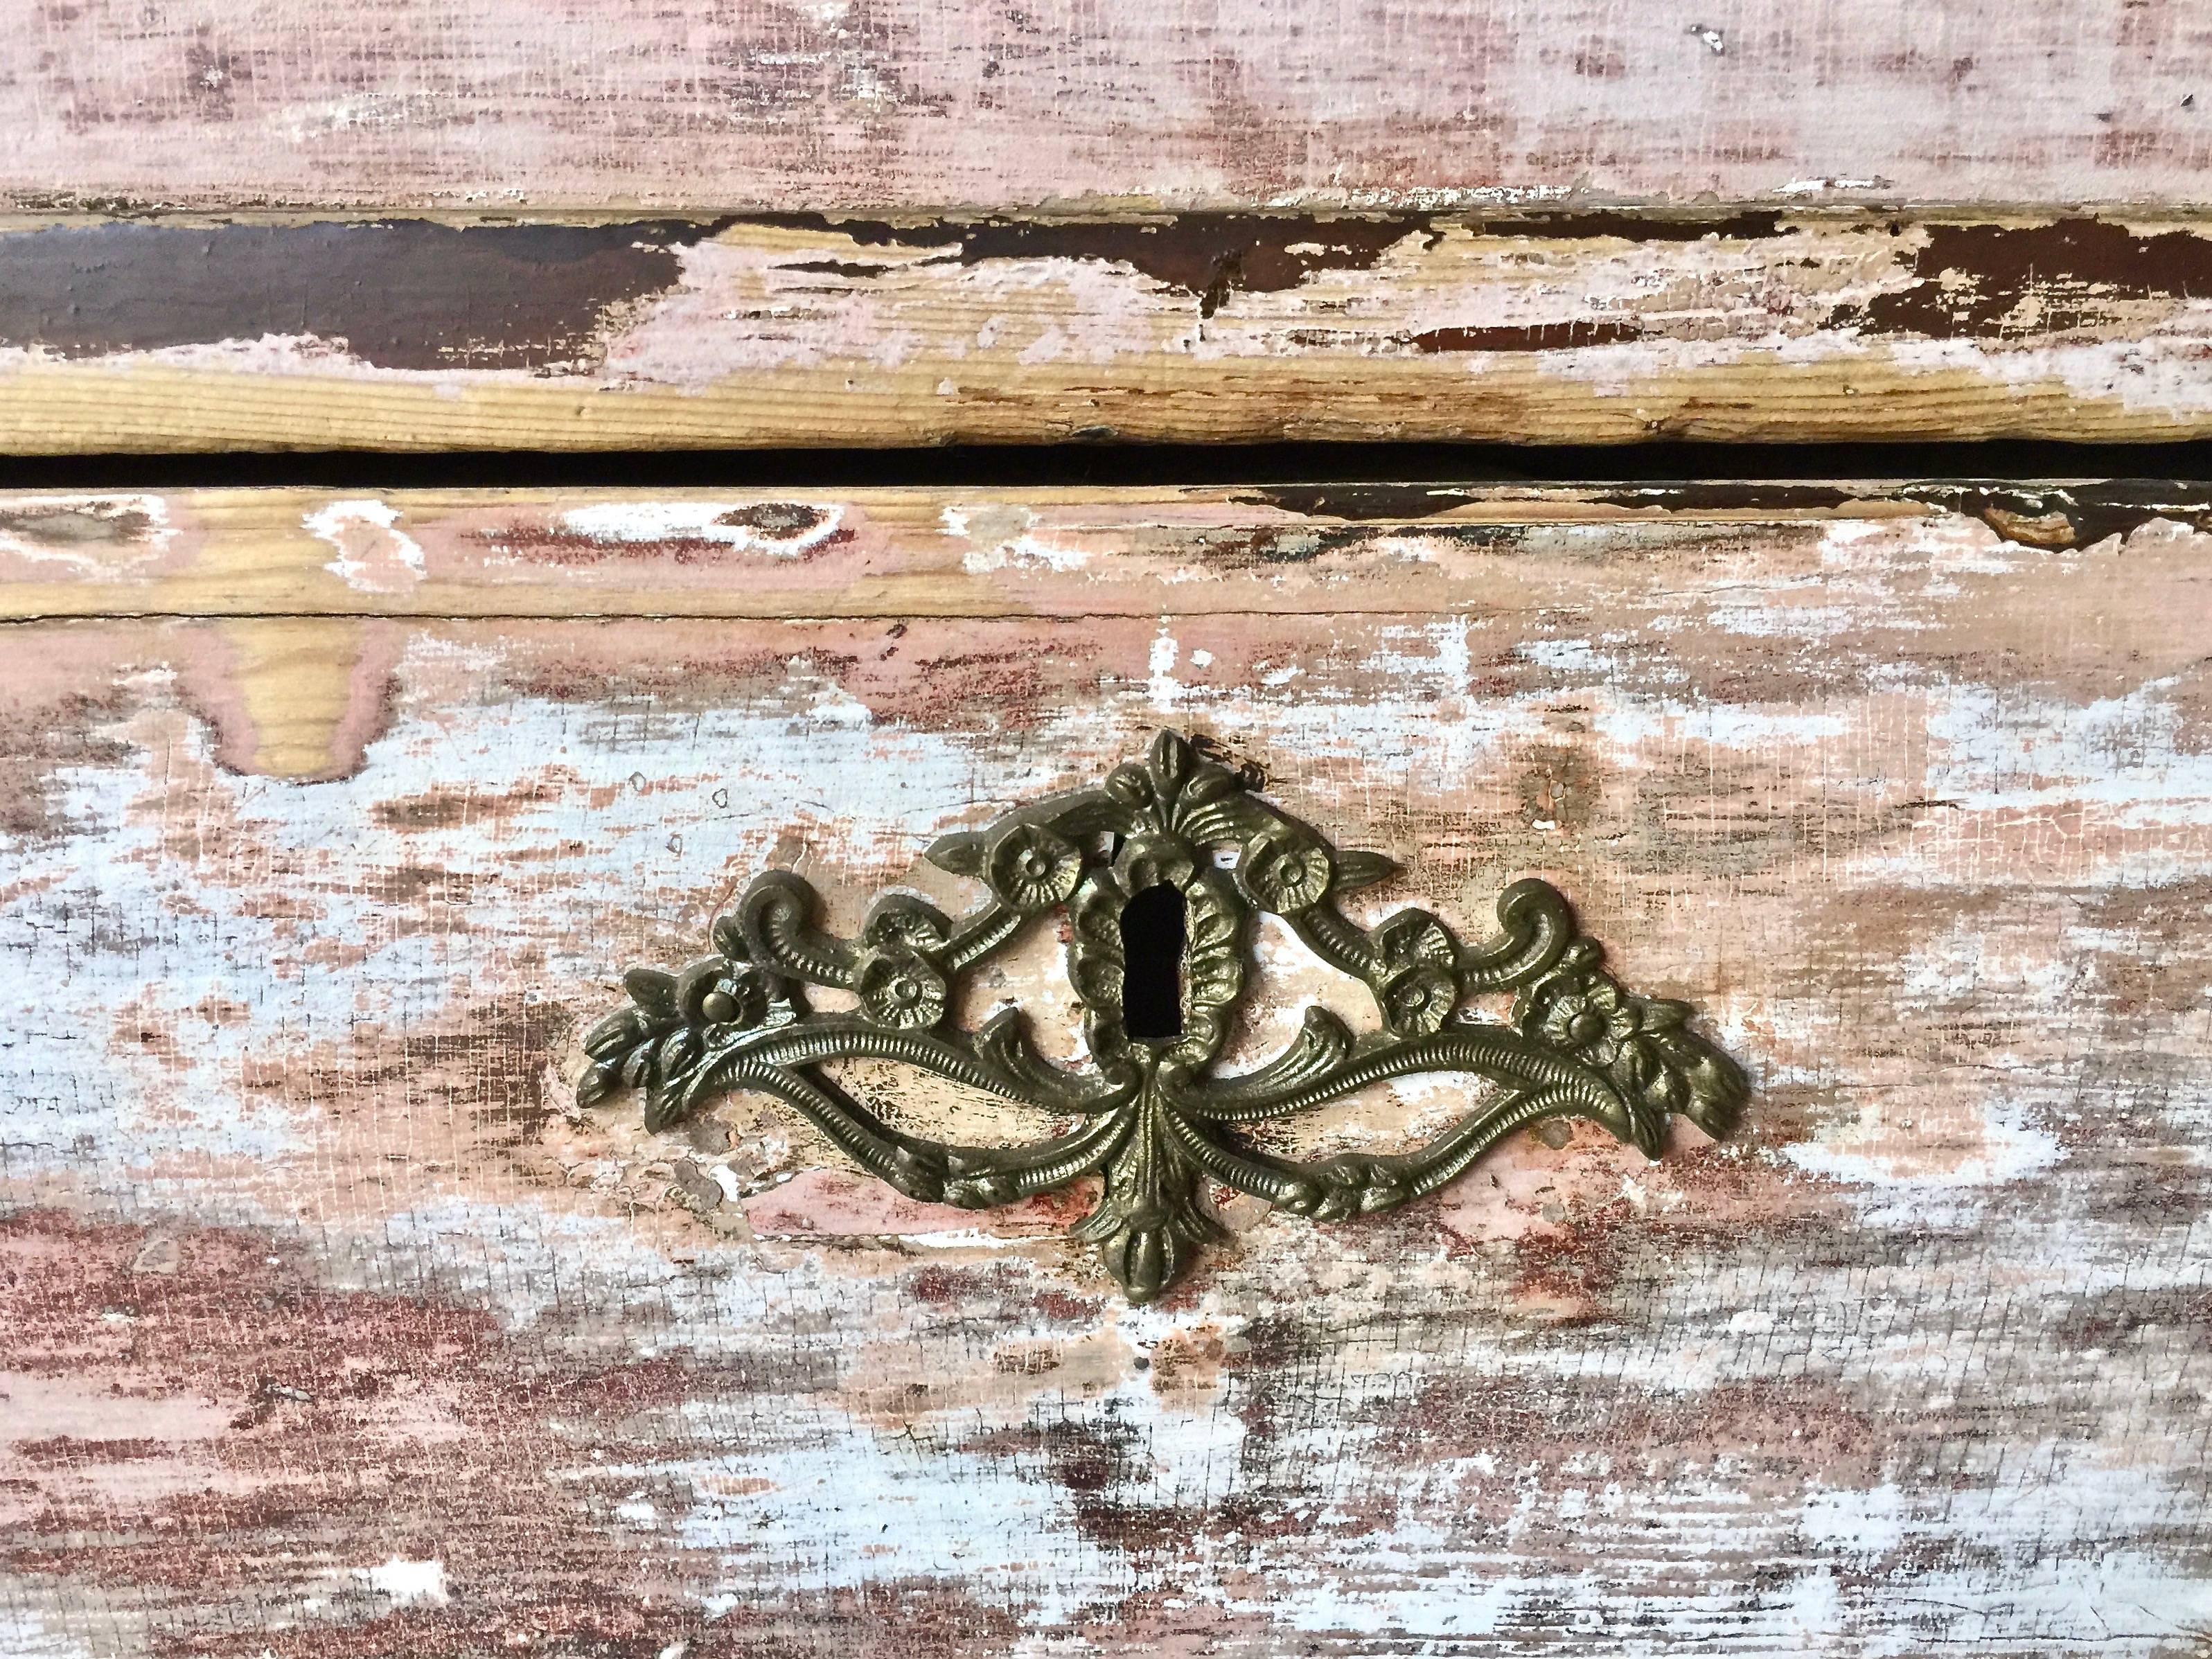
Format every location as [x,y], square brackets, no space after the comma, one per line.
[1148,1115]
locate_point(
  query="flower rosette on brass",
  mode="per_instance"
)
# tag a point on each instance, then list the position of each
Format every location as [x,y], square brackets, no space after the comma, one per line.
[898,979]
[1419,985]
[1032,868]
[1154,1122]
[672,1021]
[1642,1045]
[1285,870]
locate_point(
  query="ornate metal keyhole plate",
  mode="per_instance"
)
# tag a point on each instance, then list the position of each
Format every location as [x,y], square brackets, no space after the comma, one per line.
[1152,1119]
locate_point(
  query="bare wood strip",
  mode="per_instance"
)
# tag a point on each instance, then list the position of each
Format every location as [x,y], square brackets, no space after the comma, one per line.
[1338,548]
[802,329]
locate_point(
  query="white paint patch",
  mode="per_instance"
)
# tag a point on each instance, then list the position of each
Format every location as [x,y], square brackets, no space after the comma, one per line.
[373,555]
[39,1618]
[642,523]
[1562,656]
[1823,187]
[1813,1604]
[1051,345]
[2020,749]
[1773,618]
[87,534]
[1662,723]
[1441,660]
[1024,552]
[65,981]
[833,1503]
[2108,1600]
[1894,1157]
[2161,372]
[999,539]
[859,1506]
[409,1583]
[1166,690]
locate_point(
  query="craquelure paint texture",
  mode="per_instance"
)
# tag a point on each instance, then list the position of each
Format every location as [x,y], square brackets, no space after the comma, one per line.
[335,1328]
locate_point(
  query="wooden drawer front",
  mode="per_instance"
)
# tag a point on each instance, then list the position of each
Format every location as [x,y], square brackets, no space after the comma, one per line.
[337,1328]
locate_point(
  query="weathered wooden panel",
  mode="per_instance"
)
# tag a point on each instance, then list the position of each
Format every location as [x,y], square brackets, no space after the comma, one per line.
[945,103]
[802,329]
[333,1330]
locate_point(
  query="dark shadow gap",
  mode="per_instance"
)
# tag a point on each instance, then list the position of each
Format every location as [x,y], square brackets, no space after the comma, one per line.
[1130,466]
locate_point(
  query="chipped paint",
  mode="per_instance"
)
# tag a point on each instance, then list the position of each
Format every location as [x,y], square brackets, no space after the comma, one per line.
[406,1583]
[318,1280]
[1589,326]
[373,555]
[97,535]
[985,555]
[404,294]
[780,529]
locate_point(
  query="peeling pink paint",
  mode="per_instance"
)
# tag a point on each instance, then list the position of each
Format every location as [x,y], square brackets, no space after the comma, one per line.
[929,104]
[344,1334]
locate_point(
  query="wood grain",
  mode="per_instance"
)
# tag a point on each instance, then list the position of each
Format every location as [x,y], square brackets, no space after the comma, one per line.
[892,553]
[334,1331]
[802,329]
[899,104]
[1337,549]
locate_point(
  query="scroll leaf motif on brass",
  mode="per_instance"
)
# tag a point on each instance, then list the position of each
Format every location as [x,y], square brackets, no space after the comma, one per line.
[1152,1119]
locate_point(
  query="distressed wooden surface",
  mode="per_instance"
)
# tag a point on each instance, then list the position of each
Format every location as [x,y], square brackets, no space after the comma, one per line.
[908,221]
[895,103]
[1278,547]
[799,328]
[332,1330]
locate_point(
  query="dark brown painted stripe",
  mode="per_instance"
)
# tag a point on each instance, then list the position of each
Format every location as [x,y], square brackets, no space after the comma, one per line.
[414,293]
[1213,255]
[1972,281]
[1210,255]
[1531,337]
[404,294]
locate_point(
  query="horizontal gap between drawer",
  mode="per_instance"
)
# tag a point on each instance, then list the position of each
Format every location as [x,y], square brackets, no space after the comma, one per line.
[1111,466]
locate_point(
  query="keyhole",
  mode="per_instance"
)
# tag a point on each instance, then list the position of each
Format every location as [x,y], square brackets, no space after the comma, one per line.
[1151,964]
